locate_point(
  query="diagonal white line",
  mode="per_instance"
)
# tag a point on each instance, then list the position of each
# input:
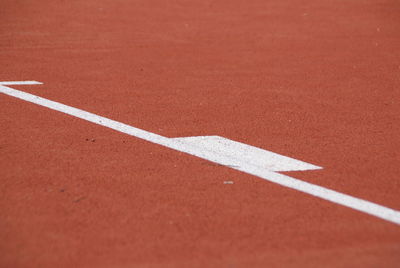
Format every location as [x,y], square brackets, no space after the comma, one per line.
[232,161]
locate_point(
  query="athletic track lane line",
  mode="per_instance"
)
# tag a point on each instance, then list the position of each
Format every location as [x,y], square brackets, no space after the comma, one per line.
[235,162]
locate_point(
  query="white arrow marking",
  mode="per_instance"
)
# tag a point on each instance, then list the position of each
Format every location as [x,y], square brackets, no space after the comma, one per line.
[239,156]
[254,156]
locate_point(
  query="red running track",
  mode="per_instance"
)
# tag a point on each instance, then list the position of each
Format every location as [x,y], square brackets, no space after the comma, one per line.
[315,80]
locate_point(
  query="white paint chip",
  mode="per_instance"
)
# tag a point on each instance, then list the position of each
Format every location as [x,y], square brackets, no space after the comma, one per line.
[232,154]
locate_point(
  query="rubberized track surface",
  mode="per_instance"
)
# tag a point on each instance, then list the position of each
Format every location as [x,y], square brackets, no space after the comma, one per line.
[314,80]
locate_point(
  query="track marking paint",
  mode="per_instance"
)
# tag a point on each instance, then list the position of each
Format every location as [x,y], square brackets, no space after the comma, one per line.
[239,156]
[254,156]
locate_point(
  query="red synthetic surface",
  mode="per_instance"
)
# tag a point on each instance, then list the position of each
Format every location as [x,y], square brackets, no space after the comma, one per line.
[315,80]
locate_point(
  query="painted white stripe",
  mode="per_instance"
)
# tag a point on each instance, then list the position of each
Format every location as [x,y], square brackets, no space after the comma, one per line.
[247,153]
[10,83]
[204,151]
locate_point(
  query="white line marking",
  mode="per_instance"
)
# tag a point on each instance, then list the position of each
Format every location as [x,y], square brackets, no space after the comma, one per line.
[247,153]
[9,83]
[203,150]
